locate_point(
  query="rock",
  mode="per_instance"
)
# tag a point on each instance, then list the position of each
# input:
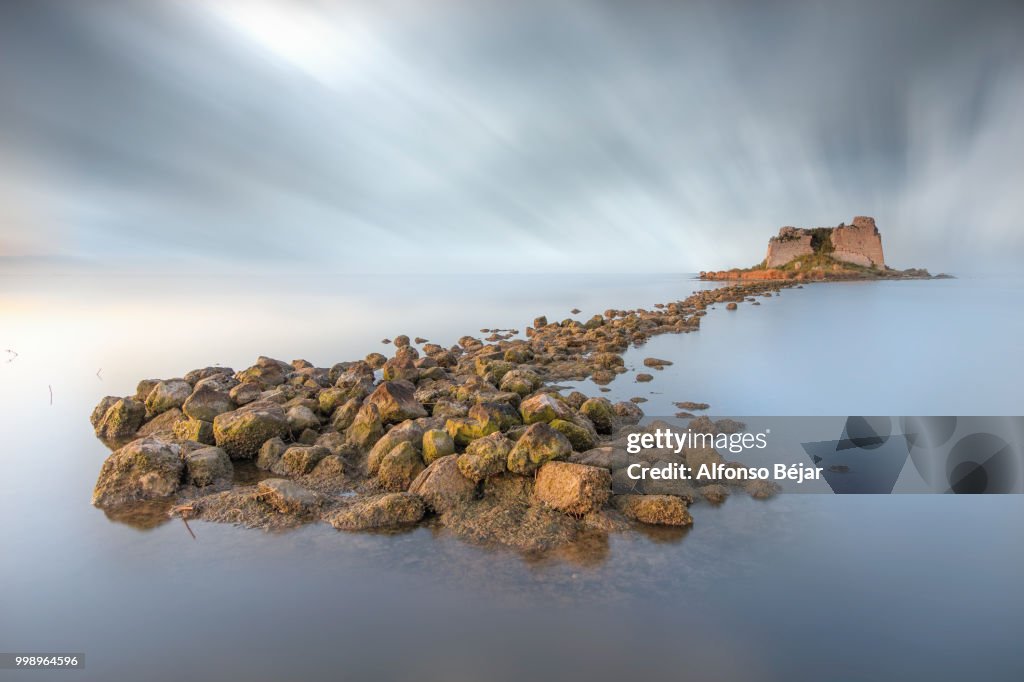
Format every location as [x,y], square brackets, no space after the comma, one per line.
[245,393]
[573,488]
[101,409]
[442,485]
[194,429]
[400,467]
[167,395]
[485,457]
[730,306]
[544,407]
[269,454]
[242,432]
[663,510]
[580,438]
[406,432]
[121,420]
[628,412]
[436,444]
[209,466]
[600,412]
[657,363]
[301,418]
[607,457]
[205,403]
[345,414]
[503,415]
[141,470]
[366,428]
[687,405]
[762,490]
[540,443]
[464,430]
[144,388]
[520,381]
[401,341]
[380,512]
[539,322]
[376,360]
[287,497]
[299,460]
[329,399]
[643,378]
[266,372]
[330,468]
[163,424]
[715,493]
[396,402]
[697,457]
[509,488]
[197,375]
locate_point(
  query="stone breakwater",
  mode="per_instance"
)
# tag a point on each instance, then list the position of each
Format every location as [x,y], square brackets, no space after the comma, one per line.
[476,438]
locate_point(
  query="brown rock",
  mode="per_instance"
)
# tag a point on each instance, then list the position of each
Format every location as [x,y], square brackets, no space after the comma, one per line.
[664,510]
[573,488]
[380,512]
[442,485]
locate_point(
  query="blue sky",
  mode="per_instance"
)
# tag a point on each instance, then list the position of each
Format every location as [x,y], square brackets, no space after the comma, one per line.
[504,136]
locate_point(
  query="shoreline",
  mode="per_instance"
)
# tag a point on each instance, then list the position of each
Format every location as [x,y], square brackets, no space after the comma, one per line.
[476,438]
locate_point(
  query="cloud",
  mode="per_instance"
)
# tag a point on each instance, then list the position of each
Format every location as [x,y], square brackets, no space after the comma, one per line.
[487,136]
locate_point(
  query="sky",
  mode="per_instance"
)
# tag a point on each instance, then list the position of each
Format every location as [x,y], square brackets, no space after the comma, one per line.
[456,136]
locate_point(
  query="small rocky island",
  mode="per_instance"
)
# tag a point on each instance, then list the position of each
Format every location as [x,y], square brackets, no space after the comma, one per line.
[845,252]
[476,439]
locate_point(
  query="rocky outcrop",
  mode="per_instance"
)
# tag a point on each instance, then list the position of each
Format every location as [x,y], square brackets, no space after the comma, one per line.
[859,243]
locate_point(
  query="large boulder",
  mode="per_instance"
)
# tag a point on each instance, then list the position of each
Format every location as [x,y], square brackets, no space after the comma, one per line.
[208,466]
[167,395]
[663,510]
[581,438]
[601,413]
[245,393]
[400,467]
[300,418]
[206,402]
[544,407]
[539,443]
[141,470]
[101,409]
[287,497]
[392,510]
[121,420]
[485,457]
[442,486]
[366,429]
[573,488]
[396,401]
[242,432]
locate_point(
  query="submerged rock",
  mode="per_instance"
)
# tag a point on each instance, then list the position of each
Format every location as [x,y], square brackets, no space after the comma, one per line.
[141,470]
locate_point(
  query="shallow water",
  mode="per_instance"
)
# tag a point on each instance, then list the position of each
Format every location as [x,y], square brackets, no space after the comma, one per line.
[800,587]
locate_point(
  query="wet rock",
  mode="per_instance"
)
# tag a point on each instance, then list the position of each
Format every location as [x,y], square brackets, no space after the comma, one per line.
[601,413]
[167,395]
[442,485]
[298,460]
[242,432]
[543,408]
[579,437]
[573,488]
[269,454]
[643,378]
[287,497]
[406,432]
[539,444]
[663,510]
[400,467]
[396,402]
[206,402]
[121,420]
[730,306]
[194,429]
[141,470]
[485,457]
[657,363]
[380,512]
[209,466]
[436,444]
[245,393]
[687,405]
[300,418]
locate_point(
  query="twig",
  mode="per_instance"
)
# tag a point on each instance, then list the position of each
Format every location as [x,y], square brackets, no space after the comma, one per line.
[98,374]
[188,527]
[49,386]
[14,356]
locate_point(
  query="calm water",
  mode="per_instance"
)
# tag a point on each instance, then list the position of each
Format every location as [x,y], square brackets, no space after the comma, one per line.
[801,587]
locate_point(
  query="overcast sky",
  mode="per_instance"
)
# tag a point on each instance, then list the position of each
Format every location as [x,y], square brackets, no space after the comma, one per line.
[505,136]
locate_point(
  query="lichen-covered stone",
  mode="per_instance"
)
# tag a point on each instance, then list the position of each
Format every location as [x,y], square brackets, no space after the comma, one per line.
[600,412]
[241,432]
[208,466]
[366,428]
[400,467]
[408,431]
[442,485]
[194,429]
[539,443]
[396,401]
[141,470]
[380,512]
[436,444]
[121,420]
[298,460]
[206,403]
[270,452]
[167,395]
[663,510]
[580,437]
[544,407]
[485,457]
[287,497]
